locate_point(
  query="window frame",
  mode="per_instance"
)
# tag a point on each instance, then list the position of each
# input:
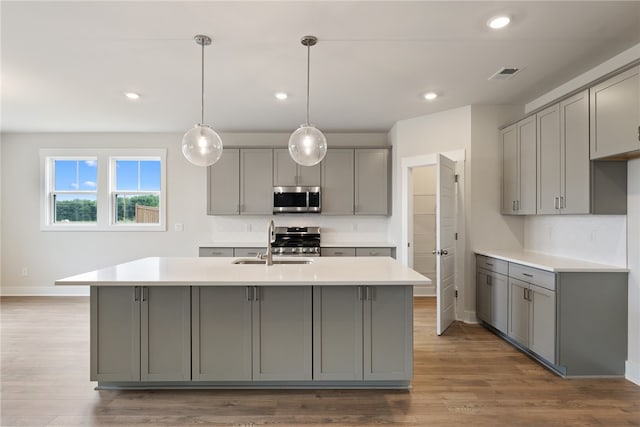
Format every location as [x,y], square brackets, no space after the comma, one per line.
[105,187]
[52,192]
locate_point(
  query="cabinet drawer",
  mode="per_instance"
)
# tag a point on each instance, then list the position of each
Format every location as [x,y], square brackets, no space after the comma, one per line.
[492,264]
[373,251]
[248,252]
[545,279]
[338,251]
[223,252]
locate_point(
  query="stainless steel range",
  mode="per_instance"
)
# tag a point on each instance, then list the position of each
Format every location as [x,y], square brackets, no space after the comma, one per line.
[297,241]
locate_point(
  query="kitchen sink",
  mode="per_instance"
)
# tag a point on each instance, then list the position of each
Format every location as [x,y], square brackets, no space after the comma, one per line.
[255,261]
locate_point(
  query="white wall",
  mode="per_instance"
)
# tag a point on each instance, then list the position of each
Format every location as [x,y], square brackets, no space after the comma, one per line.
[595,238]
[49,255]
[633,219]
[475,130]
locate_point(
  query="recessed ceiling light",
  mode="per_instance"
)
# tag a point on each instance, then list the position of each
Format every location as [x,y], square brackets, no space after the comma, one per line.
[498,22]
[132,95]
[281,96]
[430,96]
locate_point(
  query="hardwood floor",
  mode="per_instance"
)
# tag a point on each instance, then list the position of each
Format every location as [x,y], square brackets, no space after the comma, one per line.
[466,377]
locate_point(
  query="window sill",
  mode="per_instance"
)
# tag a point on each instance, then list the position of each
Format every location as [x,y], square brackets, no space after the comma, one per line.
[116,228]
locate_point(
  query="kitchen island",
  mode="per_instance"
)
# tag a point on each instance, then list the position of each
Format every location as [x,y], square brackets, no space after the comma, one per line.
[213,323]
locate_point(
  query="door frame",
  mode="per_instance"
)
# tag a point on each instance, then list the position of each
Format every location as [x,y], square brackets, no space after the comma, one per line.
[404,253]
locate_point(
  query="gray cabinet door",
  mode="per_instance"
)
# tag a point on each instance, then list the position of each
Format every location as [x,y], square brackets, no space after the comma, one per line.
[574,117]
[115,333]
[542,322]
[526,202]
[337,333]
[371,181]
[388,333]
[373,251]
[483,296]
[223,184]
[518,312]
[615,110]
[256,182]
[499,306]
[337,182]
[221,328]
[549,158]
[287,172]
[510,169]
[282,346]
[165,326]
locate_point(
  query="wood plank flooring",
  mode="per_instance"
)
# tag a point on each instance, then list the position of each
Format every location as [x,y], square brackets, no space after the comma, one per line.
[468,377]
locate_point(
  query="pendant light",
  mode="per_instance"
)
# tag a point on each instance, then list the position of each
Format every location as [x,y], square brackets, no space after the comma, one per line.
[307,145]
[201,145]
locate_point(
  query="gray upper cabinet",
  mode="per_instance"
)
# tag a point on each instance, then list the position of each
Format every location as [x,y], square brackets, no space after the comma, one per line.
[519,168]
[286,172]
[615,115]
[372,181]
[563,157]
[223,184]
[337,182]
[256,181]
[140,333]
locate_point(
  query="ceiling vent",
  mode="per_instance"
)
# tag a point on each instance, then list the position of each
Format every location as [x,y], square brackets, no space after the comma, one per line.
[504,73]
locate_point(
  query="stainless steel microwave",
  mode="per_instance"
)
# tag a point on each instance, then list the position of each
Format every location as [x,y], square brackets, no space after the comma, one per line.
[296,199]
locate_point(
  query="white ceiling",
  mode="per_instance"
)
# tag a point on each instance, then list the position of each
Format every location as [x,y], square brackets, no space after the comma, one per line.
[65,65]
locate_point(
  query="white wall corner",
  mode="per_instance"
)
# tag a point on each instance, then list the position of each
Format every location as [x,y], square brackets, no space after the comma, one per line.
[470,317]
[632,372]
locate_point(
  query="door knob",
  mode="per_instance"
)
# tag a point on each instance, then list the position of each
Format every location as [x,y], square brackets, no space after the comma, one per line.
[440,252]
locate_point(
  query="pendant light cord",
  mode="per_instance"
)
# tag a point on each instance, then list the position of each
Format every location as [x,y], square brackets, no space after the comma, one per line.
[308,72]
[202,89]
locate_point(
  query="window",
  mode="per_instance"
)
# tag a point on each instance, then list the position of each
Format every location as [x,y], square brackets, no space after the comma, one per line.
[136,191]
[103,189]
[73,195]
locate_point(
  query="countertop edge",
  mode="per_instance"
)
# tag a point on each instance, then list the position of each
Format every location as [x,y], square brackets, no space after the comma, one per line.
[234,284]
[322,245]
[589,267]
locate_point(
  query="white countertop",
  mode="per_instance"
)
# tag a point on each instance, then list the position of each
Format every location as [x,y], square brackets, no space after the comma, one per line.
[322,245]
[214,271]
[551,263]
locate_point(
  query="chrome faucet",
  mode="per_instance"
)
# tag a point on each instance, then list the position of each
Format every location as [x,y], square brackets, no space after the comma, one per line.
[271,237]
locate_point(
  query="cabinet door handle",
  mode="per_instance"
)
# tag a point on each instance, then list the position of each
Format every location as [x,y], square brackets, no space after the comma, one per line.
[555,203]
[524,294]
[256,293]
[144,293]
[489,280]
[513,205]
[562,206]
[136,293]
[360,293]
[249,293]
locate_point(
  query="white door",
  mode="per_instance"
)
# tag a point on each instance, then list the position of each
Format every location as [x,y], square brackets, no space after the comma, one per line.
[445,243]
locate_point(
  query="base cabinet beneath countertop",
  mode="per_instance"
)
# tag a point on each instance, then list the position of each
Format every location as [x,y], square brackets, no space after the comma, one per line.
[573,322]
[140,333]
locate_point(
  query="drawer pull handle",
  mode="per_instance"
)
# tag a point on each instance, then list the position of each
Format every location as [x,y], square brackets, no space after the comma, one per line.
[489,264]
[339,253]
[528,275]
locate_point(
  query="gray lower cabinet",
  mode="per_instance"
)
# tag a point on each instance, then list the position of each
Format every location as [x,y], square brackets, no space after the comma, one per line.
[337,251]
[140,333]
[615,115]
[360,251]
[492,298]
[215,252]
[362,333]
[251,333]
[373,252]
[372,195]
[575,322]
[337,182]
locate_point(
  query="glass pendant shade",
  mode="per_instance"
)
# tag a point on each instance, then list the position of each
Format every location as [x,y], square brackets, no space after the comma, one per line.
[201,145]
[307,145]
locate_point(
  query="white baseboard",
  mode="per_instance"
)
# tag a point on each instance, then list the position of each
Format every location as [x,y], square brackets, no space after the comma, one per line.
[632,372]
[42,291]
[470,317]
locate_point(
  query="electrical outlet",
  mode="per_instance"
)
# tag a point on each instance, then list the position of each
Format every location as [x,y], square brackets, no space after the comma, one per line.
[25,271]
[178,227]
